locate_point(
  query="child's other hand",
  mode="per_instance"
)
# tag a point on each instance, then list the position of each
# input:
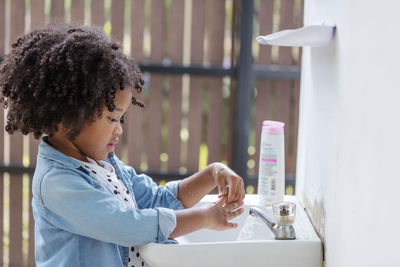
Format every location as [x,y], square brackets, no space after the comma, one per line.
[228,182]
[219,214]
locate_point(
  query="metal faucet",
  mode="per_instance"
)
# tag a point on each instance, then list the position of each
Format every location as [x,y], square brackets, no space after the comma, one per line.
[281,232]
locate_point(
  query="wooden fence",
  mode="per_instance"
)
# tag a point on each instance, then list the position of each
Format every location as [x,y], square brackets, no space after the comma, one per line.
[188,119]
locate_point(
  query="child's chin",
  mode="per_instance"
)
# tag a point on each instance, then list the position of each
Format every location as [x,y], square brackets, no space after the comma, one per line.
[100,157]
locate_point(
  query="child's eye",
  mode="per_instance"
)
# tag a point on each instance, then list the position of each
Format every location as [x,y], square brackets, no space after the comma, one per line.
[122,120]
[112,119]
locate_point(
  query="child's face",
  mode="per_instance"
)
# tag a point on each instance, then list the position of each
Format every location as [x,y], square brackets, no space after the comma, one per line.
[99,138]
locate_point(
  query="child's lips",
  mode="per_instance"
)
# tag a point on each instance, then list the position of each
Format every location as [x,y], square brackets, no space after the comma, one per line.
[111,146]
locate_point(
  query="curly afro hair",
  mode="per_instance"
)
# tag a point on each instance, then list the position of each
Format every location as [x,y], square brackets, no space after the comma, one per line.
[63,74]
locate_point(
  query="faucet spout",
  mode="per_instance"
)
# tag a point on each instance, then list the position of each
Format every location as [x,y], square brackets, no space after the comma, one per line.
[281,232]
[258,213]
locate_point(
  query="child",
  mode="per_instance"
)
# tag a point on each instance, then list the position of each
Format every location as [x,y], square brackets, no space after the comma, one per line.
[73,85]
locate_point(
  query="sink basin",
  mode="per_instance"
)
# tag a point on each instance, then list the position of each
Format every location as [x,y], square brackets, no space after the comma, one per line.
[251,244]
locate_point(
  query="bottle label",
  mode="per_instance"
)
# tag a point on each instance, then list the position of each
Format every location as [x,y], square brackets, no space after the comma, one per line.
[268,170]
[271,176]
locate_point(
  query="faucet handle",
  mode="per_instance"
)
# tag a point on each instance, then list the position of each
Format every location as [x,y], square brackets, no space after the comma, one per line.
[284,213]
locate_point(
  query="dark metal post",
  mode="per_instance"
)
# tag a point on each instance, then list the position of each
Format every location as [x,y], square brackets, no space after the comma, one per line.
[244,89]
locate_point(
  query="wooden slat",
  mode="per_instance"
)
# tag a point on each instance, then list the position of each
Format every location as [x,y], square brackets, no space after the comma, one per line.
[264,88]
[117,20]
[97,13]
[195,122]
[57,10]
[134,125]
[284,88]
[15,255]
[2,26]
[156,85]
[174,123]
[232,87]
[154,121]
[77,11]
[265,19]
[214,120]
[216,53]
[33,150]
[196,85]
[17,24]
[175,51]
[134,132]
[137,29]
[37,13]
[233,84]
[31,244]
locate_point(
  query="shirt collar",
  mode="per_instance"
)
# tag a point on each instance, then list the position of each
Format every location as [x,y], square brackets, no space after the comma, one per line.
[50,152]
[97,165]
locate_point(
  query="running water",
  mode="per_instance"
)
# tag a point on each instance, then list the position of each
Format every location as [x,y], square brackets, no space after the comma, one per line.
[254,229]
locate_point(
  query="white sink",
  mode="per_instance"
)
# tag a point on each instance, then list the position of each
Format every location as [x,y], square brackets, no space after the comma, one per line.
[252,244]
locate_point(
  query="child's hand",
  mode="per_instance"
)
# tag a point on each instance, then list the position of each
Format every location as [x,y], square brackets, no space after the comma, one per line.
[219,214]
[214,217]
[229,183]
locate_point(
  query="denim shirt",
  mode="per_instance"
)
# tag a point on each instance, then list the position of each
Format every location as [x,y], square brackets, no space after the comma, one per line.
[77,223]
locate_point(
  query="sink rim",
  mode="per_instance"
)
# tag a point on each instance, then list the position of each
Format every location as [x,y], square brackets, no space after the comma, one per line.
[306,249]
[304,233]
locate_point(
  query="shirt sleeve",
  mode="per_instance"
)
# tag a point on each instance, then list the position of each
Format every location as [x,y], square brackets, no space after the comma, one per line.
[173,187]
[76,206]
[167,217]
[148,194]
[167,222]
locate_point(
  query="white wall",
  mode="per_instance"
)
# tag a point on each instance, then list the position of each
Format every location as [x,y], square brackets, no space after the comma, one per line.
[348,173]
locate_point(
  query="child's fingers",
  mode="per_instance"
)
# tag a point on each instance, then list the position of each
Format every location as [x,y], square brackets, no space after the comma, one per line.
[236,192]
[242,192]
[220,193]
[231,193]
[222,189]
[234,214]
[239,195]
[231,225]
[228,193]
[234,205]
[222,201]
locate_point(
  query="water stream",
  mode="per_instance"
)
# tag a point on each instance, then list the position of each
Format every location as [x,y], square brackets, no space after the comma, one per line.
[254,229]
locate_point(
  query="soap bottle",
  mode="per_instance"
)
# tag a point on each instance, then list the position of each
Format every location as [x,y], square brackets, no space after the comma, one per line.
[271,174]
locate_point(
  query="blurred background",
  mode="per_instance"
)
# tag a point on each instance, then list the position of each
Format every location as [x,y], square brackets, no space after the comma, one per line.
[209,86]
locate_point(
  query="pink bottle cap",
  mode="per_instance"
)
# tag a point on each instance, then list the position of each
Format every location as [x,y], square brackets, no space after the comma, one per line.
[273,127]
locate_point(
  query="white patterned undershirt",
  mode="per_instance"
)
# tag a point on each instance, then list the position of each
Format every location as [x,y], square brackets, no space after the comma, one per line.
[104,174]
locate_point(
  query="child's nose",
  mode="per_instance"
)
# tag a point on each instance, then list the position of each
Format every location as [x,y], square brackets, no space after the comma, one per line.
[118,129]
